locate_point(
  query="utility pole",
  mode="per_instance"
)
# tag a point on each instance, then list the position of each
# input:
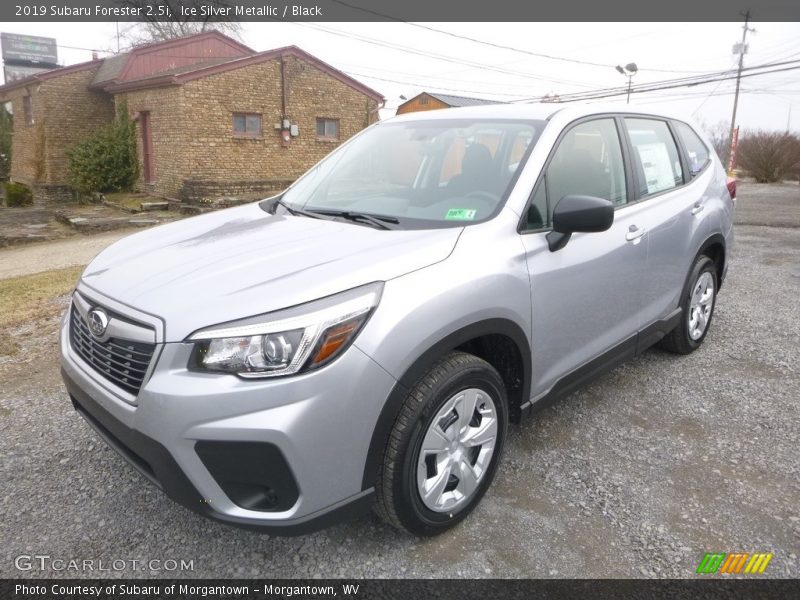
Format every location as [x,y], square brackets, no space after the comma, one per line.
[628,71]
[742,49]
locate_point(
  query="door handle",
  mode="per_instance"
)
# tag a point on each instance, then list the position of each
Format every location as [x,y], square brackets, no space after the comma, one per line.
[697,208]
[634,234]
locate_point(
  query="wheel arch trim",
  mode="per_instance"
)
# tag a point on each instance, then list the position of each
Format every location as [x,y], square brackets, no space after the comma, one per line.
[393,404]
[715,239]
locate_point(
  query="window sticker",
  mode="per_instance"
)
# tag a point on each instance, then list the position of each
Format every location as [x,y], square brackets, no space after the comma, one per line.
[657,167]
[461,214]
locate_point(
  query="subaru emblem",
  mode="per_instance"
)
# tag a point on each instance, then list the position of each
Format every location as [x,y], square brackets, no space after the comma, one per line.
[97,319]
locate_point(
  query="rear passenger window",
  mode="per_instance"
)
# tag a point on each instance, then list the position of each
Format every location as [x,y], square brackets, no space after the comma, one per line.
[698,153]
[587,162]
[655,156]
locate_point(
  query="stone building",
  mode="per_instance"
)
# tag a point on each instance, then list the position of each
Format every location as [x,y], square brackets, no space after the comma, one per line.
[214,118]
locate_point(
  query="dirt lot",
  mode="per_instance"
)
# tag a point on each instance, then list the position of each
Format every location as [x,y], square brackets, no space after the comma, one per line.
[638,475]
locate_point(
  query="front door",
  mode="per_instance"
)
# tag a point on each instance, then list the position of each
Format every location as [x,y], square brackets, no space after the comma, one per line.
[586,297]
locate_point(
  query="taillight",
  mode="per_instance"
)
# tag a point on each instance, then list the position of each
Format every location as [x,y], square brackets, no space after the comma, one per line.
[732,187]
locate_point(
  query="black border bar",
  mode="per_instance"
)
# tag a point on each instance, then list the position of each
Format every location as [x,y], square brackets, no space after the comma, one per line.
[404,589]
[394,10]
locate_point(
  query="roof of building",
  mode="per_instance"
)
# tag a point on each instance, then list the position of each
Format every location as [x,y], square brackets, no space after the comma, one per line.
[457,101]
[45,75]
[110,68]
[123,67]
[116,74]
[181,75]
[452,101]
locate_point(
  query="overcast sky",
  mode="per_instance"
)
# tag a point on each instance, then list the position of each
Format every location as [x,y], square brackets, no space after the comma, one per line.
[661,51]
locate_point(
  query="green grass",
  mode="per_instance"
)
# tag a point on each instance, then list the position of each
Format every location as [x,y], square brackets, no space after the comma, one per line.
[29,299]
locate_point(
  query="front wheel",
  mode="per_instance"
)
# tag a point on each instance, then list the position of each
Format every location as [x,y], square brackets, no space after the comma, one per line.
[697,308]
[445,446]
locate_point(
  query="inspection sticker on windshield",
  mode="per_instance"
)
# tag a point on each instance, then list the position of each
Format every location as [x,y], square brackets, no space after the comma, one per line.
[461,214]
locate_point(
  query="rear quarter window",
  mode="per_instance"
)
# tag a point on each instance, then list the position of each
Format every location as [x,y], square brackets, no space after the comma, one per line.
[697,152]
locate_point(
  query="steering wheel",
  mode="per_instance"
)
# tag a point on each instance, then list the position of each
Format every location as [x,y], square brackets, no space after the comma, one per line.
[487,198]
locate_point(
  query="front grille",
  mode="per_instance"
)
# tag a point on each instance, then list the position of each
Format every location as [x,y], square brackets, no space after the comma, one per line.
[122,362]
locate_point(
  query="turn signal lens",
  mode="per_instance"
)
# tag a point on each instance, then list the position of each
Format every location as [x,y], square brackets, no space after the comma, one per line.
[335,340]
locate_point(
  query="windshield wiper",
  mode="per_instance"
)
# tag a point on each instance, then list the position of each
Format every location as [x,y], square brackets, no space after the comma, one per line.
[376,220]
[296,211]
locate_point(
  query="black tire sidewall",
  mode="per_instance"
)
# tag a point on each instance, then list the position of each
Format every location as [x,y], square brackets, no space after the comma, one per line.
[703,265]
[410,508]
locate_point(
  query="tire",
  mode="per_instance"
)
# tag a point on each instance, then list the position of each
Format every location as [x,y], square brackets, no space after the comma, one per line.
[459,461]
[687,337]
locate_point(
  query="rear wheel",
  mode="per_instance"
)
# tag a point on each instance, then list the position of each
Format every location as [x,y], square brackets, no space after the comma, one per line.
[445,446]
[697,309]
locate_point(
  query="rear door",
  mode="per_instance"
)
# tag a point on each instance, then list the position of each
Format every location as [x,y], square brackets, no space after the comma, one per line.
[661,179]
[586,297]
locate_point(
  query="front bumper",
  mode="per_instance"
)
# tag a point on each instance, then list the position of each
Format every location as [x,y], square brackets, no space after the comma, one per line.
[320,425]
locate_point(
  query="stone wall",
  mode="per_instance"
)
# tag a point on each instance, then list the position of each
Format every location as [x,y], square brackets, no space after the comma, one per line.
[27,150]
[72,112]
[196,154]
[46,193]
[203,191]
[64,112]
[170,127]
[193,135]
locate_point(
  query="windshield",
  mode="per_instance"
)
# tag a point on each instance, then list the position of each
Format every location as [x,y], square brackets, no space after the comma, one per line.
[420,174]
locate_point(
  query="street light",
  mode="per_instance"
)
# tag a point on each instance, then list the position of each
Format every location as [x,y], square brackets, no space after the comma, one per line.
[628,71]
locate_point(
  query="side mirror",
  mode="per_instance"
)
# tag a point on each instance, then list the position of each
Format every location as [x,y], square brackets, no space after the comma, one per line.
[579,214]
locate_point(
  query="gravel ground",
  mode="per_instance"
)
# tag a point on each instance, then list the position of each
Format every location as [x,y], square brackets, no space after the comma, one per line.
[638,475]
[774,204]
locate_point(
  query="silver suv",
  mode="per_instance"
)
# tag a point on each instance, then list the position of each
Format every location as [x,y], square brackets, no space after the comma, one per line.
[365,338]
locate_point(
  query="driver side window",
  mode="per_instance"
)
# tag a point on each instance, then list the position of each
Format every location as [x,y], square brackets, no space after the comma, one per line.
[587,162]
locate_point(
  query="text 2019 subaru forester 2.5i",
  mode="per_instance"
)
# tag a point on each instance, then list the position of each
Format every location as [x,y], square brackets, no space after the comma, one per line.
[364,338]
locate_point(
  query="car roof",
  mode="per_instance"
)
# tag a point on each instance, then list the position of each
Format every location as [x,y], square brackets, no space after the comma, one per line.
[538,111]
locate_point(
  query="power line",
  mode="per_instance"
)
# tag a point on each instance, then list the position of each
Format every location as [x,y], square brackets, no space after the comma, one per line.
[707,98]
[435,86]
[495,44]
[435,56]
[679,82]
[673,86]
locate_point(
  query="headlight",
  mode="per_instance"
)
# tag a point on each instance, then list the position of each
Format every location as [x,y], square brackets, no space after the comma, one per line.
[288,341]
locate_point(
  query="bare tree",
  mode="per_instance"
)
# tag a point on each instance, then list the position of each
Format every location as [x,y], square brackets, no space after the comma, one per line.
[160,28]
[719,135]
[769,156]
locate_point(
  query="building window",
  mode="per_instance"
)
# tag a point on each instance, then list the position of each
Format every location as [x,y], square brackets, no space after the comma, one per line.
[27,108]
[247,124]
[327,129]
[423,100]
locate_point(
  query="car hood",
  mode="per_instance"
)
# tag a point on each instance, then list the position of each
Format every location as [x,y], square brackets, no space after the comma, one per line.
[241,262]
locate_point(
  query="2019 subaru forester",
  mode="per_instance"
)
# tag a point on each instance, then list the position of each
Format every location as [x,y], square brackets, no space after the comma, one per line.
[364,338]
